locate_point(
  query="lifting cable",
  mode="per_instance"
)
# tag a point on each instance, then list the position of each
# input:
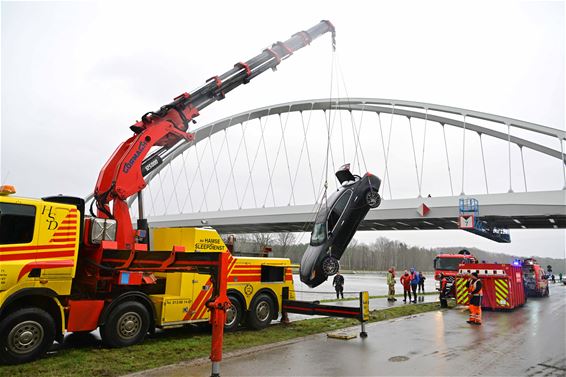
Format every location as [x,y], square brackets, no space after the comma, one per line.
[328,133]
[328,119]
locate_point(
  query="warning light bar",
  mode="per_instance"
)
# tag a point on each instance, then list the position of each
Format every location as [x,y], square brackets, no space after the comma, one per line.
[7,190]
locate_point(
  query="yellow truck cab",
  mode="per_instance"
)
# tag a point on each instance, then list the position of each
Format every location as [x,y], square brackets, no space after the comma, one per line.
[57,277]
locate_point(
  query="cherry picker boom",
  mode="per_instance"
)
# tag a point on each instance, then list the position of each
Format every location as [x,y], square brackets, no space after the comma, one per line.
[122,175]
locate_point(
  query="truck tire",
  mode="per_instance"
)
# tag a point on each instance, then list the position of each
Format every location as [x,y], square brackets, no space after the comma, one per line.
[233,314]
[26,335]
[261,312]
[127,324]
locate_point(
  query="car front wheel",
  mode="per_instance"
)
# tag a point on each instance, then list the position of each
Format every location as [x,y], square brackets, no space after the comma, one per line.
[373,199]
[330,266]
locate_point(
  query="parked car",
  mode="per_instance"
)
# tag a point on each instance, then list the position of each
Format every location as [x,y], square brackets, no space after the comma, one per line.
[336,223]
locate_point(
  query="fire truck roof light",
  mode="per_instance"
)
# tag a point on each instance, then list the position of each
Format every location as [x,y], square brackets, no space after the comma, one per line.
[7,190]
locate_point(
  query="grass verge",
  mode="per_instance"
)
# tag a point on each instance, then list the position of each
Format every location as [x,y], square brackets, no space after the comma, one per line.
[86,356]
[372,297]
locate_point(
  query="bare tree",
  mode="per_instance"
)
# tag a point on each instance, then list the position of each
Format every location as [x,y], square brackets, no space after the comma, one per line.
[262,240]
[284,241]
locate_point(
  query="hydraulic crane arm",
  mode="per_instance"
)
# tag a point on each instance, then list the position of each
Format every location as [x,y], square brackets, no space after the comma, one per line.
[122,175]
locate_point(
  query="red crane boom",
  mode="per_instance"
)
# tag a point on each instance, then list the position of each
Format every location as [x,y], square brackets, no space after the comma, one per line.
[122,175]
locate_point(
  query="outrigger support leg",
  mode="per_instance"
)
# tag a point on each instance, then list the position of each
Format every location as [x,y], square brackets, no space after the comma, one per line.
[218,305]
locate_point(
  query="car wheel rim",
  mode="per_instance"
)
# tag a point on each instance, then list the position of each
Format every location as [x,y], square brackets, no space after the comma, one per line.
[372,198]
[263,311]
[129,325]
[230,316]
[330,266]
[25,337]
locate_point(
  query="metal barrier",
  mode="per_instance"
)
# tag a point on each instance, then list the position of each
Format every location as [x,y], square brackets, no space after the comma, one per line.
[360,312]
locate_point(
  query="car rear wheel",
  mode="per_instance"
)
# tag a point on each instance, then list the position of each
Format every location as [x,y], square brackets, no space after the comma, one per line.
[330,266]
[373,199]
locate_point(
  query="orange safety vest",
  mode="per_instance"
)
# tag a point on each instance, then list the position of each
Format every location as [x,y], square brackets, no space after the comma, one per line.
[472,288]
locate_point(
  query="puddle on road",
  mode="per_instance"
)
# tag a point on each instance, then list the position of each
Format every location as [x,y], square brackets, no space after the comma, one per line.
[397,359]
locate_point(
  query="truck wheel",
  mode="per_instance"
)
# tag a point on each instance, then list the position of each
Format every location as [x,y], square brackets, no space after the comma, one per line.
[126,324]
[261,312]
[26,335]
[233,315]
[373,199]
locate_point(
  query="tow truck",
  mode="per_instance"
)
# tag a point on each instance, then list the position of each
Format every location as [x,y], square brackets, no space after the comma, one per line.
[63,270]
[448,264]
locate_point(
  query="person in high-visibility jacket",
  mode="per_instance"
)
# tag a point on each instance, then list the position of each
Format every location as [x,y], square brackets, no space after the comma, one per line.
[475,289]
[391,284]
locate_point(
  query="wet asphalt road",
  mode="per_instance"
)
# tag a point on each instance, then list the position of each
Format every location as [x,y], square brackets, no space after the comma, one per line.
[529,341]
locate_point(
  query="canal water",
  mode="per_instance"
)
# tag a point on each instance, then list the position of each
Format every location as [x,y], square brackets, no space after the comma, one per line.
[373,282]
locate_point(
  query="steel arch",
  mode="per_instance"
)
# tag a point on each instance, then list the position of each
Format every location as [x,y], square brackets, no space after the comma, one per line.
[378,105]
[409,109]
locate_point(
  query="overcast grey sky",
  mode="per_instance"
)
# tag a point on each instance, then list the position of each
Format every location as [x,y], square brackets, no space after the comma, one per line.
[76,75]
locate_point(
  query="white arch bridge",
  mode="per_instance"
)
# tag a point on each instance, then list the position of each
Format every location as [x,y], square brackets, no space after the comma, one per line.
[265,170]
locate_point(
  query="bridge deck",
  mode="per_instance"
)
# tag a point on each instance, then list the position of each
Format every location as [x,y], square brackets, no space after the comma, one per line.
[523,210]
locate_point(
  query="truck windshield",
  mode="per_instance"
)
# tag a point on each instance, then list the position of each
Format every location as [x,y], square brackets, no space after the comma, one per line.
[449,264]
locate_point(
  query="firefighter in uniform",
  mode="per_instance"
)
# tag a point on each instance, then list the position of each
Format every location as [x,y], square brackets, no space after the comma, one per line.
[475,289]
[443,293]
[391,284]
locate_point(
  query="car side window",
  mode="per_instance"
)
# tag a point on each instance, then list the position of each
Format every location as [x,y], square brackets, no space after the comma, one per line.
[17,223]
[338,208]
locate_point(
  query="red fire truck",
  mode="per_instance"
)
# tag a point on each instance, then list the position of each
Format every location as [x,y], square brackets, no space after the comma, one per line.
[536,281]
[448,264]
[503,287]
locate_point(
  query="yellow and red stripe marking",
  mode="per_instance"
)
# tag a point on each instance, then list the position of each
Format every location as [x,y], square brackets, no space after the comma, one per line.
[198,308]
[501,292]
[45,251]
[461,292]
[245,274]
[46,265]
[67,231]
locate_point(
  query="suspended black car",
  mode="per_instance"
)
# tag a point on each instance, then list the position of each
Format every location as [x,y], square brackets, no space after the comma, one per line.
[336,223]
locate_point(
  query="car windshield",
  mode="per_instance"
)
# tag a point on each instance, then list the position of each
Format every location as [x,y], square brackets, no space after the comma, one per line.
[449,264]
[318,235]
